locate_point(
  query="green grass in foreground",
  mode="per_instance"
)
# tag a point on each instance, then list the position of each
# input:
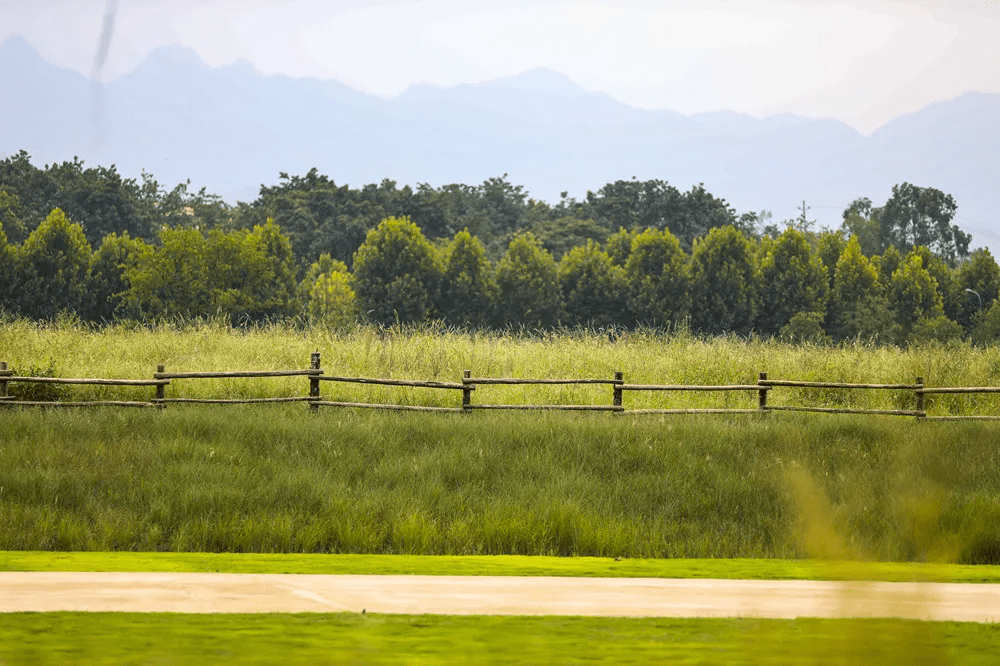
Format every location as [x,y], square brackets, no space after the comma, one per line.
[114,638]
[276,480]
[499,565]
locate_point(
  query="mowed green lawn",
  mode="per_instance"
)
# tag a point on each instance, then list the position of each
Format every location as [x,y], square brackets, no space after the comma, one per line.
[500,565]
[122,638]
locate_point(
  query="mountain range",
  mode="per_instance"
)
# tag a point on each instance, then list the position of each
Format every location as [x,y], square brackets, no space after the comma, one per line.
[233,128]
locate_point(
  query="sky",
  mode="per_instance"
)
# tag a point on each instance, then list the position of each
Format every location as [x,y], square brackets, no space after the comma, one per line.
[863,62]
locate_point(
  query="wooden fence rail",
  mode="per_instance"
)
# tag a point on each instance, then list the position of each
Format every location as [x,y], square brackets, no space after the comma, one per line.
[468,384]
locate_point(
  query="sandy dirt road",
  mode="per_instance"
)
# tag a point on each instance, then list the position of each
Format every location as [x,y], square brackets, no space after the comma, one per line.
[493,595]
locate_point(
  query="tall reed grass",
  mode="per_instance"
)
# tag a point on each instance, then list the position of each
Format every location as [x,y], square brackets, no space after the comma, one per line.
[435,353]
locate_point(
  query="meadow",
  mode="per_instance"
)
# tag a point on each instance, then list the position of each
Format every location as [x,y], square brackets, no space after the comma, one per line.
[278,488]
[68,348]
[277,479]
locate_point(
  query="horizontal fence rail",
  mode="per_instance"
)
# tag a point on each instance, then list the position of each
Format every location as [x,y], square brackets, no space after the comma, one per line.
[668,387]
[513,381]
[469,384]
[87,381]
[239,373]
[838,385]
[394,382]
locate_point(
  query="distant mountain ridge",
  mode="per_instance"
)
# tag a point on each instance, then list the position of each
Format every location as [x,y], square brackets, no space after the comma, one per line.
[232,129]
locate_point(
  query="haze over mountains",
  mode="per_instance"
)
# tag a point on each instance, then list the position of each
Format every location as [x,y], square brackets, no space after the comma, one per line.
[232,129]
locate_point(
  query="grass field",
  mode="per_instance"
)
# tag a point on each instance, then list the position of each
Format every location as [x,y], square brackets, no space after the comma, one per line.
[114,638]
[432,354]
[879,498]
[274,479]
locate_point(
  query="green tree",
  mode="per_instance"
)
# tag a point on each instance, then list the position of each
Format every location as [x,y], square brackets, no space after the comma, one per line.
[655,204]
[619,246]
[10,218]
[805,327]
[323,265]
[659,279]
[8,264]
[944,276]
[53,267]
[856,297]
[934,329]
[793,280]
[321,217]
[328,293]
[561,235]
[173,280]
[109,287]
[829,246]
[267,277]
[986,326]
[886,264]
[243,275]
[913,295]
[922,216]
[861,221]
[725,280]
[978,285]
[469,290]
[593,288]
[397,273]
[528,279]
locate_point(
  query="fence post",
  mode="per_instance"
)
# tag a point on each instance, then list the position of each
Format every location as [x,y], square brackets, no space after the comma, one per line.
[466,392]
[4,372]
[920,397]
[314,364]
[161,389]
[619,380]
[762,394]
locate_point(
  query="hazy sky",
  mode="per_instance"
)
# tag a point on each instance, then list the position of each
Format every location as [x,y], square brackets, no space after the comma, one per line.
[862,61]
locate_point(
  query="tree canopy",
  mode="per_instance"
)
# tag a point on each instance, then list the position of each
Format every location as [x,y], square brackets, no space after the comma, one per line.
[87,240]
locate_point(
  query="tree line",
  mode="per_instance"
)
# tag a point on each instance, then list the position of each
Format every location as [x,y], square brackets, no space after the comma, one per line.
[633,253]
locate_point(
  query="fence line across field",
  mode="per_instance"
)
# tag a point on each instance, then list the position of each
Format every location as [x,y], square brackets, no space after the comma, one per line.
[468,384]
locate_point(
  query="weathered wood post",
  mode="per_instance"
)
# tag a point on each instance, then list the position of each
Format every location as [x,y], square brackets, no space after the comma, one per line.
[314,364]
[4,373]
[920,397]
[466,391]
[161,389]
[619,380]
[762,393]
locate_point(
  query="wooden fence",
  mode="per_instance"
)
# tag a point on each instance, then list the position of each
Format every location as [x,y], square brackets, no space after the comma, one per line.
[468,384]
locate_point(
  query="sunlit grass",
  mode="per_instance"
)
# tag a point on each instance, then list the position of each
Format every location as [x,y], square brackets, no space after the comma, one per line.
[434,353]
[113,638]
[498,565]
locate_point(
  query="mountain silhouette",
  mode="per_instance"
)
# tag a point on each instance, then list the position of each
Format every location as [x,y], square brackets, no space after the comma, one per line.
[232,129]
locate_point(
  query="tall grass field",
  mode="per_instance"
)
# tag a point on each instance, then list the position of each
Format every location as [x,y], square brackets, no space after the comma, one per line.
[278,478]
[69,349]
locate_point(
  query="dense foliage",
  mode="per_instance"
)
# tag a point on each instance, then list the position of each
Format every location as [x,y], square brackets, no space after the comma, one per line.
[82,240]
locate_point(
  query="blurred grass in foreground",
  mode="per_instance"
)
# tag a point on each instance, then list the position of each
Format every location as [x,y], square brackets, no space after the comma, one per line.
[113,638]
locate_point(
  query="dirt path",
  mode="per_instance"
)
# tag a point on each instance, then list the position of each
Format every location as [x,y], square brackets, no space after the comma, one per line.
[492,595]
